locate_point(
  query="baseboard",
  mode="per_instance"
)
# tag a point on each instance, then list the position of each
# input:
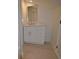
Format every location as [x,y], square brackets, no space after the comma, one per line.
[55,51]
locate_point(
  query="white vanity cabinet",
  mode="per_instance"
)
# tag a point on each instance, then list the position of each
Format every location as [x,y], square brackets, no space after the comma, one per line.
[34,34]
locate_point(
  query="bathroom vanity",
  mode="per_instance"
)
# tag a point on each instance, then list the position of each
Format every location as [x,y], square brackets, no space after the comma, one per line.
[34,34]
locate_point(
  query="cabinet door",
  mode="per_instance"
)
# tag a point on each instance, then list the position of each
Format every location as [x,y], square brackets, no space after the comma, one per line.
[27,35]
[38,35]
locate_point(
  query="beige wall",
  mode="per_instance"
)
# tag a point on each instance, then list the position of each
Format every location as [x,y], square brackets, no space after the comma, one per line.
[56,17]
[56,30]
[24,12]
[56,33]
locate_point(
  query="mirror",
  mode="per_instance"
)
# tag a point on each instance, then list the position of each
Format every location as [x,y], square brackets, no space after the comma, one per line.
[32,13]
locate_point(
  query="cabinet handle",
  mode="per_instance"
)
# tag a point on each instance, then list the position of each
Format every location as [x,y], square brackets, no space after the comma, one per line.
[29,33]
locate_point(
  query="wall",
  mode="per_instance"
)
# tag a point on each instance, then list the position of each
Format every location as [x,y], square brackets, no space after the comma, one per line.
[24,12]
[56,31]
[56,17]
